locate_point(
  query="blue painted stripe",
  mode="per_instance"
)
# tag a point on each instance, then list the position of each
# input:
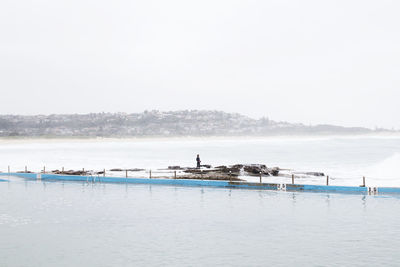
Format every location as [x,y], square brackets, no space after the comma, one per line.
[326,188]
[389,190]
[206,183]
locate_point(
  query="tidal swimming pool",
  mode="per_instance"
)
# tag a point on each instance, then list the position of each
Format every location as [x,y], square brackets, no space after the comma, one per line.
[85,224]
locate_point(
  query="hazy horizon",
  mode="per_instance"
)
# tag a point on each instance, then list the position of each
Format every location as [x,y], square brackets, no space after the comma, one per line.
[310,62]
[165,111]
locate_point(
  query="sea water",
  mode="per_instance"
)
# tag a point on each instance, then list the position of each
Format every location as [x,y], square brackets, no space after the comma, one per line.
[345,159]
[94,224]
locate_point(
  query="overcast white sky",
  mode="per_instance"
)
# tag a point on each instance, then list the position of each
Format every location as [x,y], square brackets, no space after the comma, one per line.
[307,61]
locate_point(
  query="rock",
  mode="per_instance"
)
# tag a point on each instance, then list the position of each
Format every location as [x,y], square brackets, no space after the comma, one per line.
[274,171]
[221,167]
[70,172]
[315,173]
[231,169]
[175,168]
[135,170]
[206,166]
[237,166]
[211,176]
[255,169]
[129,170]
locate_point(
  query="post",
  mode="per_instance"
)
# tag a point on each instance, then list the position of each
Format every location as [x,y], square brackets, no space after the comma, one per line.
[175,174]
[260,177]
[62,169]
[104,172]
[230,176]
[44,169]
[150,174]
[363,181]
[126,173]
[26,169]
[83,169]
[292,178]
[327,180]
[8,169]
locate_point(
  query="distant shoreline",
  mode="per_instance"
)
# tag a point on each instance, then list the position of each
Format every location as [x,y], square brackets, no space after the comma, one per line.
[23,139]
[169,124]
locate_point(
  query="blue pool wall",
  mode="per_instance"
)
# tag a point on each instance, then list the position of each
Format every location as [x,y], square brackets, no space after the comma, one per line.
[209,183]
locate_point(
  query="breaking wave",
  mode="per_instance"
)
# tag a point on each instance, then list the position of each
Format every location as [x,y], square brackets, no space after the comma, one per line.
[388,169]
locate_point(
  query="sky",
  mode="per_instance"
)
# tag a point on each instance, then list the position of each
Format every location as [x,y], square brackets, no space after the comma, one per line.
[308,61]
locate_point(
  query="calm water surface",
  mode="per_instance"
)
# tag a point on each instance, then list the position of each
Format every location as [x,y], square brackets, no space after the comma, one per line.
[79,224]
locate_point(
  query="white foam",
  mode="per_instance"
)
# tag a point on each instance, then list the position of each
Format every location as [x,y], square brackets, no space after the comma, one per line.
[386,172]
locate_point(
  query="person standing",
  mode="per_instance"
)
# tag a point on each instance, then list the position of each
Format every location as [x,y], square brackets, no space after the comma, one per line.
[198,161]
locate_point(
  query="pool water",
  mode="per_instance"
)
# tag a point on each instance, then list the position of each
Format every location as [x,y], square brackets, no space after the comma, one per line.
[83,224]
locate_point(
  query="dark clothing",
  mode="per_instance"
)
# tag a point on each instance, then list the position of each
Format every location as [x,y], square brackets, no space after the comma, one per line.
[198,161]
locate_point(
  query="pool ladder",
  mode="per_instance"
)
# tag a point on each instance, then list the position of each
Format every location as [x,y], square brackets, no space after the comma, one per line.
[92,178]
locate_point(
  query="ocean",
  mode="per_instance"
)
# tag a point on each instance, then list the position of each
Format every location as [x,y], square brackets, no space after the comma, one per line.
[345,159]
[46,223]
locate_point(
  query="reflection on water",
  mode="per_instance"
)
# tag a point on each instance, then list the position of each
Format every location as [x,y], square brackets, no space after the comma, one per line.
[85,224]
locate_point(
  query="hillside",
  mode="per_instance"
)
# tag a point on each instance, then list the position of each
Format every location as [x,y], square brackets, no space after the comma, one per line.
[156,123]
